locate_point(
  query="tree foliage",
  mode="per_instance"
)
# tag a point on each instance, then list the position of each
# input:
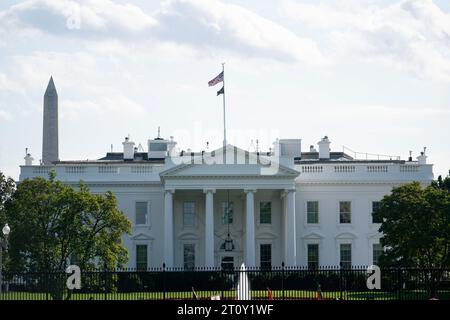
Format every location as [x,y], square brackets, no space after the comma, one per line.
[442,183]
[53,225]
[416,228]
[7,188]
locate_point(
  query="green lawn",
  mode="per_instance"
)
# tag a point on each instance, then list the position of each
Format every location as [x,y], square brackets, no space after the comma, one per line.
[256,294]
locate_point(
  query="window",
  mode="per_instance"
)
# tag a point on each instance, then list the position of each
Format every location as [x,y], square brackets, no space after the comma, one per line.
[158,147]
[345,212]
[141,212]
[312,212]
[266,256]
[346,256]
[375,206]
[377,250]
[189,213]
[265,212]
[189,256]
[227,212]
[313,256]
[141,257]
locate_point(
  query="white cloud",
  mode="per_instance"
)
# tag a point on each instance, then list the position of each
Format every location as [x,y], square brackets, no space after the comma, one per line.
[34,70]
[7,85]
[211,23]
[386,112]
[210,26]
[411,35]
[5,115]
[118,104]
[82,17]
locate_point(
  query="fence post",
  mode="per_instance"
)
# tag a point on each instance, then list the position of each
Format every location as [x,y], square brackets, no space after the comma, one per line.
[222,281]
[282,280]
[164,281]
[106,282]
[46,285]
[399,278]
[341,280]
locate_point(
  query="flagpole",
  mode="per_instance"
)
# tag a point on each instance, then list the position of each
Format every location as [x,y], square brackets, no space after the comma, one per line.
[224,123]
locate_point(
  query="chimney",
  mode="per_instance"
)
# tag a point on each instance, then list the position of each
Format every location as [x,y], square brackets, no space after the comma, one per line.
[128,149]
[422,159]
[50,127]
[28,158]
[324,148]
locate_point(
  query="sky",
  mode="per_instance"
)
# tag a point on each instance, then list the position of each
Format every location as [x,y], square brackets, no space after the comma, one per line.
[372,75]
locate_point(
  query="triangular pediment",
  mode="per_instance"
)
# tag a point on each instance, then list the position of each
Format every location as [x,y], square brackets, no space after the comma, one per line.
[234,162]
[313,236]
[141,236]
[346,235]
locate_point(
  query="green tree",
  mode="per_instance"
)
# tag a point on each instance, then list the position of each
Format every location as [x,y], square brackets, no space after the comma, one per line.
[442,183]
[416,229]
[54,225]
[7,187]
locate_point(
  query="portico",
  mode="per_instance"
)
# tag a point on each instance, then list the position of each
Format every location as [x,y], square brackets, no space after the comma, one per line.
[205,188]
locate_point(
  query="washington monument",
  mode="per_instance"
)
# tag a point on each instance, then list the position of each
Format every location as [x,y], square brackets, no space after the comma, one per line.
[50,128]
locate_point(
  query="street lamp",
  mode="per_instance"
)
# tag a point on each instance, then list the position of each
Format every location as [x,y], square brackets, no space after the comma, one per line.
[6,230]
[3,245]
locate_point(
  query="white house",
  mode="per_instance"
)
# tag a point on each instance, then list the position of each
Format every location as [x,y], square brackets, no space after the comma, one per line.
[231,206]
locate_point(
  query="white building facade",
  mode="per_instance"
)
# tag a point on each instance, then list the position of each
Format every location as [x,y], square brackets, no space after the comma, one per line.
[289,207]
[229,206]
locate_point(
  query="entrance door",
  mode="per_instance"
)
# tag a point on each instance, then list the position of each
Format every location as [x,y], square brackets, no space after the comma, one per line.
[232,259]
[227,263]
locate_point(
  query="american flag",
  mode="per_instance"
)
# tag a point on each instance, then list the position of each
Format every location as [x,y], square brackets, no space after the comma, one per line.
[216,80]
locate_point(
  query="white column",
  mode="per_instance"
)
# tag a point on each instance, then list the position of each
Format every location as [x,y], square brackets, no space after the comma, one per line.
[209,228]
[168,228]
[250,260]
[283,227]
[291,241]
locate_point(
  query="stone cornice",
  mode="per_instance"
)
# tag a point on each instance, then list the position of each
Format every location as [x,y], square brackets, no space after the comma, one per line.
[358,182]
[114,183]
[234,176]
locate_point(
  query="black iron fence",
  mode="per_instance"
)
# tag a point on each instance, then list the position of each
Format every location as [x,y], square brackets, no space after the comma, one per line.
[205,283]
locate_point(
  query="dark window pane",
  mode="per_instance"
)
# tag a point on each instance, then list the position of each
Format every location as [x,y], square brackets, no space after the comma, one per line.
[312,209]
[227,212]
[377,250]
[189,256]
[158,147]
[266,256]
[265,212]
[189,213]
[141,257]
[345,212]
[346,255]
[141,212]
[376,206]
[313,256]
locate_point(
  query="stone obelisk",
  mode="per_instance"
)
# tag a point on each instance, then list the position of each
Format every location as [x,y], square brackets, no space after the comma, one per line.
[50,128]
